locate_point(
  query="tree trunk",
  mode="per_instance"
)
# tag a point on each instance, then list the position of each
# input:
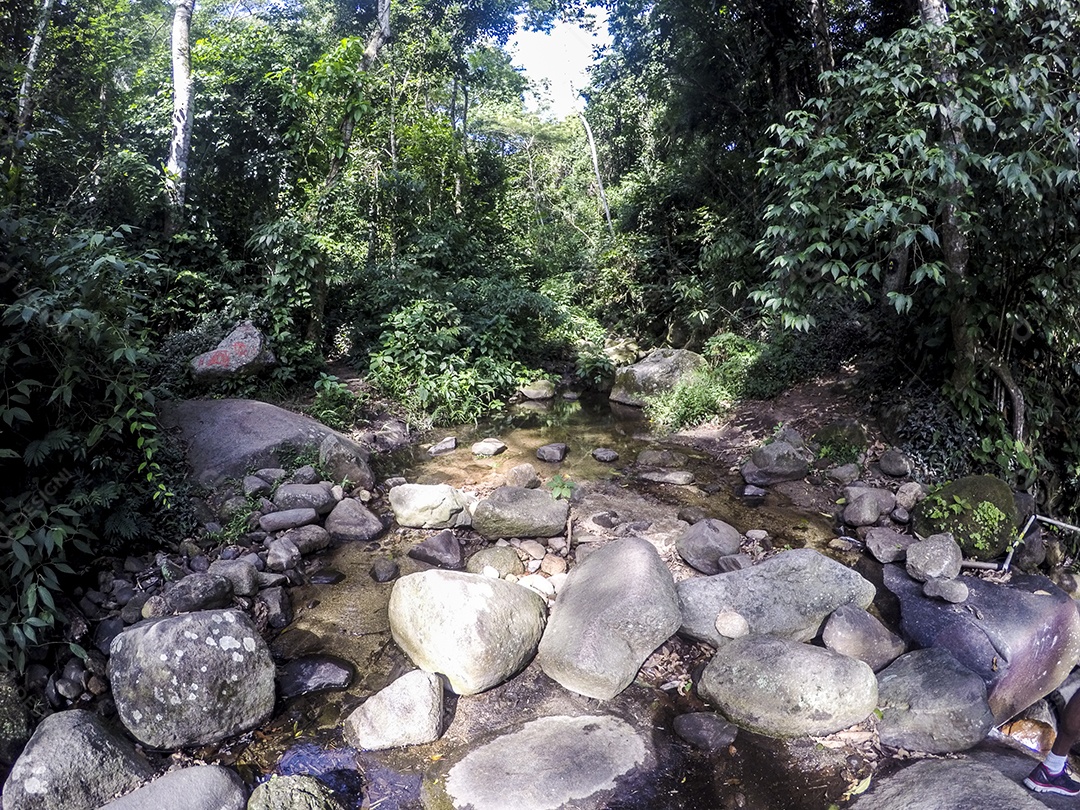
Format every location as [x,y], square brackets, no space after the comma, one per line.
[823,51]
[176,170]
[596,168]
[954,241]
[25,105]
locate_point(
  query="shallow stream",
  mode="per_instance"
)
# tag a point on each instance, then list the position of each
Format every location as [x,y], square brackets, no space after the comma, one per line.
[348,620]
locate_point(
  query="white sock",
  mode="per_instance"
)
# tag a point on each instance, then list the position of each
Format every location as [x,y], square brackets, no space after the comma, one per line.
[1055,764]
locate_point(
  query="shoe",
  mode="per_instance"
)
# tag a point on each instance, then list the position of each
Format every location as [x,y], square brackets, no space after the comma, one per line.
[1043,781]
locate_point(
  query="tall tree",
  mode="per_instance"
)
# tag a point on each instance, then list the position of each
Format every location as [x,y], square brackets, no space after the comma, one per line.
[183,117]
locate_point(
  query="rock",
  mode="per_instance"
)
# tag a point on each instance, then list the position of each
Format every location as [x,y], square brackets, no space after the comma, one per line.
[297,792]
[384,570]
[407,712]
[308,539]
[299,496]
[475,630]
[442,550]
[705,542]
[958,784]
[887,545]
[840,438]
[844,474]
[1021,637]
[202,787]
[788,596]
[895,463]
[516,512]
[853,632]
[288,519]
[680,478]
[615,609]
[227,437]
[930,702]
[346,462]
[255,486]
[979,511]
[73,761]
[243,351]
[706,731]
[313,673]
[281,555]
[304,475]
[488,447]
[579,758]
[538,584]
[782,688]
[552,453]
[948,590]
[197,592]
[553,564]
[502,558]
[937,556]
[192,679]
[659,371]
[909,494]
[652,457]
[241,574]
[431,506]
[733,562]
[866,505]
[275,605]
[522,475]
[773,463]
[731,624]
[540,389]
[443,446]
[351,521]
[605,455]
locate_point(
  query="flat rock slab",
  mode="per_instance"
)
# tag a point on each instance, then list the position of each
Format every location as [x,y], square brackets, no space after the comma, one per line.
[957,784]
[227,437]
[203,787]
[547,764]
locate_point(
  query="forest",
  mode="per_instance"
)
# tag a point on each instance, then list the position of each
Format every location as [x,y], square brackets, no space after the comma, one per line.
[783,186]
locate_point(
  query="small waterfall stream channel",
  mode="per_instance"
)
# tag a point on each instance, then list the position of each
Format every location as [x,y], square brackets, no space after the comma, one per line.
[348,620]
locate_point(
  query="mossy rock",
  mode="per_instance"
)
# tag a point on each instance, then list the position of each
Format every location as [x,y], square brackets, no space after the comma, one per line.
[841,442]
[979,511]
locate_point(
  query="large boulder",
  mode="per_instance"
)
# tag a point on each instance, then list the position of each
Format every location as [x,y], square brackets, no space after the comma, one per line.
[956,784]
[787,596]
[854,632]
[192,679]
[979,511]
[660,371]
[297,792]
[407,712]
[226,438]
[615,609]
[1021,637]
[475,630]
[351,521]
[243,351]
[345,462]
[547,764]
[775,462]
[782,688]
[431,506]
[202,787]
[931,702]
[703,544]
[517,512]
[73,761]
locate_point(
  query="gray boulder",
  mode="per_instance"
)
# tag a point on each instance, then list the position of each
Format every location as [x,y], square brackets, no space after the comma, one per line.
[293,793]
[502,559]
[431,506]
[660,371]
[787,596]
[287,519]
[442,549]
[192,679]
[894,462]
[197,592]
[938,556]
[703,544]
[581,760]
[202,787]
[515,512]
[782,688]
[346,462]
[706,731]
[774,463]
[308,539]
[475,630]
[540,389]
[73,761]
[1021,637]
[552,453]
[227,437]
[298,496]
[887,545]
[407,712]
[243,351]
[853,632]
[241,574]
[866,505]
[955,784]
[615,609]
[351,521]
[930,702]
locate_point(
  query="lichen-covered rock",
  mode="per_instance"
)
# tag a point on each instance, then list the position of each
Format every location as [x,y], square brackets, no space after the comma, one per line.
[979,511]
[293,793]
[660,371]
[192,679]
[431,506]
